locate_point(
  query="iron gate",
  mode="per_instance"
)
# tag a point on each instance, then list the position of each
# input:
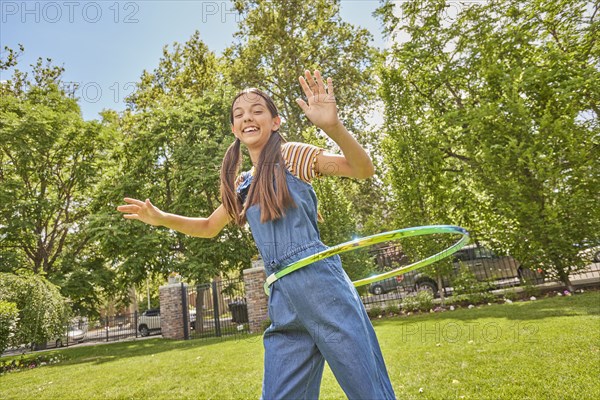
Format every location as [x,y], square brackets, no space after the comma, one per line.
[217,309]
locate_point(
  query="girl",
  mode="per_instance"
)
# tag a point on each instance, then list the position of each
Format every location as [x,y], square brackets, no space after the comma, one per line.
[315,311]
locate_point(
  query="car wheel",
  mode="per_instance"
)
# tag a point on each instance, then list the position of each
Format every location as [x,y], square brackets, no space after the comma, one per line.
[144,331]
[428,286]
[377,290]
[59,343]
[597,256]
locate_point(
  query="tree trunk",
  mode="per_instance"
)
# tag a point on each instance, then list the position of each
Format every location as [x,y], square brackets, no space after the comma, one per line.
[440,286]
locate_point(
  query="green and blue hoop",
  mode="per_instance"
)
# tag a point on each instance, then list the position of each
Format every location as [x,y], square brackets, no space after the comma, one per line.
[380,238]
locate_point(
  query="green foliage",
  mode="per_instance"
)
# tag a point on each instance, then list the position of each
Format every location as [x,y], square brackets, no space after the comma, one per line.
[465,282]
[492,123]
[421,301]
[43,312]
[183,73]
[26,363]
[392,309]
[511,295]
[9,316]
[170,151]
[375,312]
[173,157]
[531,290]
[50,164]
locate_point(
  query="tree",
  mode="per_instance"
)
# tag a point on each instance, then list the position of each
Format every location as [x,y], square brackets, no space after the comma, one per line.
[9,316]
[183,73]
[172,141]
[42,311]
[50,162]
[496,115]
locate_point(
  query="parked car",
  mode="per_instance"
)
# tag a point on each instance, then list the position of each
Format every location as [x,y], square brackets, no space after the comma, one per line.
[386,285]
[591,253]
[485,265]
[149,321]
[72,335]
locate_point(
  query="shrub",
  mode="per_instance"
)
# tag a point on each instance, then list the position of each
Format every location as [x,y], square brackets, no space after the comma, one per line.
[422,301]
[530,290]
[374,312]
[511,295]
[9,316]
[480,297]
[392,309]
[471,290]
[23,363]
[42,310]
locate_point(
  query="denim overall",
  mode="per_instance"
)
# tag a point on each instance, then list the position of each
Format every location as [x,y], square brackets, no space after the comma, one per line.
[316,314]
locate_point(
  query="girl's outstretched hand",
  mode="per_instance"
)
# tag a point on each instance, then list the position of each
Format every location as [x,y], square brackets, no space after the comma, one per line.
[321,109]
[142,211]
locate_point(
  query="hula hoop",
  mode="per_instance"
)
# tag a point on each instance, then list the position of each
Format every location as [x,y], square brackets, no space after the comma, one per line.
[379,238]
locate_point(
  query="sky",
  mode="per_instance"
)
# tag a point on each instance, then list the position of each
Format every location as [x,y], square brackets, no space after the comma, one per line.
[104,46]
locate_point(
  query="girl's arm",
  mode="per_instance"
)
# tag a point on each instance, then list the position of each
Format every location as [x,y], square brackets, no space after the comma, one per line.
[199,227]
[354,163]
[322,111]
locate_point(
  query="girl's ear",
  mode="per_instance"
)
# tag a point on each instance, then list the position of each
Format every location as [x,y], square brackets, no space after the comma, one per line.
[276,123]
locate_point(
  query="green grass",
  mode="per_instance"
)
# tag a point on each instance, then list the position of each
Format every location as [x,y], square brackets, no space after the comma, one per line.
[545,349]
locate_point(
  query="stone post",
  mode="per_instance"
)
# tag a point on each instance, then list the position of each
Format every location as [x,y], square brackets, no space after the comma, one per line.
[256,299]
[173,303]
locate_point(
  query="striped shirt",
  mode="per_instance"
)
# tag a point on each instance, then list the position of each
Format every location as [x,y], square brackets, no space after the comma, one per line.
[301,160]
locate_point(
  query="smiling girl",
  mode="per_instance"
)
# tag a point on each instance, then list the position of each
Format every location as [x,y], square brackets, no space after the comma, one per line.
[316,314]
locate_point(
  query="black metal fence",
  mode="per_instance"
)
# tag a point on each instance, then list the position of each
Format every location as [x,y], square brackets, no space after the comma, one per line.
[474,268]
[115,327]
[217,309]
[102,329]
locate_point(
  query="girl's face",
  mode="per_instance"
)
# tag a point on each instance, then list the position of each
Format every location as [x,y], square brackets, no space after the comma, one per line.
[252,120]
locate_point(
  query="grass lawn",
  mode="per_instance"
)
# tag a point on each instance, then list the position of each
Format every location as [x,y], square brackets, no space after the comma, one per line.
[543,349]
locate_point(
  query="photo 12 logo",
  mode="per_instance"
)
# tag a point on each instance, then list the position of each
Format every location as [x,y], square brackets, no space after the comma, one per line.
[219,9]
[68,11]
[92,92]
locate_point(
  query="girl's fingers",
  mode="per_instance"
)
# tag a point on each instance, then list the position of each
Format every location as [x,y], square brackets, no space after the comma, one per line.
[129,208]
[133,201]
[311,82]
[305,87]
[131,216]
[320,84]
[330,88]
[302,104]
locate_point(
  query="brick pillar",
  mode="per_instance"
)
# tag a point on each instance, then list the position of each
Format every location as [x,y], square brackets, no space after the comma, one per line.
[172,306]
[256,299]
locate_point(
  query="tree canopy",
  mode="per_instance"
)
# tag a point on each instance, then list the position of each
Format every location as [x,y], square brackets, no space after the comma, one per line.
[492,122]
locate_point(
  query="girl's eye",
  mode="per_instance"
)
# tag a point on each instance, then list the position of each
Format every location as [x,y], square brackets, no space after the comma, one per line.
[237,116]
[258,112]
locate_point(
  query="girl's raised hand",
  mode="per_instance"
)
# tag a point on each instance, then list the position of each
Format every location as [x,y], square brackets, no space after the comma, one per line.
[142,211]
[321,109]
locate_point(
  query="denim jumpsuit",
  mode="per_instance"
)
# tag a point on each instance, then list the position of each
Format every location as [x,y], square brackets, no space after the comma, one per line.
[316,314]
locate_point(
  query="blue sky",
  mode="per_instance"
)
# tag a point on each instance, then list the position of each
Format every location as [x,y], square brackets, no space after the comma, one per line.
[105,45]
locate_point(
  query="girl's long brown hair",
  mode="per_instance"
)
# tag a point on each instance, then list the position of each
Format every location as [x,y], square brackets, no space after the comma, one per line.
[269,186]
